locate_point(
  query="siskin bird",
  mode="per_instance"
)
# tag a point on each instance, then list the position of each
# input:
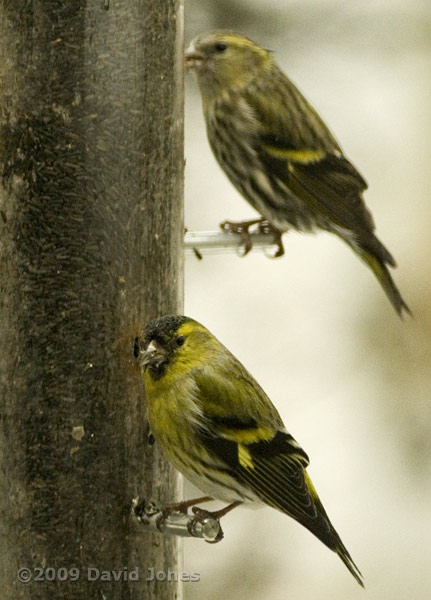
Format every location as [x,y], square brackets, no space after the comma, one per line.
[221,431]
[278,152]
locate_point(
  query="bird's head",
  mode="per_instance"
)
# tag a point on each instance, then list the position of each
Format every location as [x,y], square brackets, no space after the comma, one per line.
[174,341]
[223,61]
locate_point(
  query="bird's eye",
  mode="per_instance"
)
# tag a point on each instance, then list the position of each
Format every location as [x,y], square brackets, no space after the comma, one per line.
[220,46]
[180,340]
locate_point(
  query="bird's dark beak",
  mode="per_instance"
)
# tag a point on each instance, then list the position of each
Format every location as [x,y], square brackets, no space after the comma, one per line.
[193,58]
[153,356]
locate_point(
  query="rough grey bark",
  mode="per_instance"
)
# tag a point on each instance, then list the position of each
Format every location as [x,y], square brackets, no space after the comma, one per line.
[91,234]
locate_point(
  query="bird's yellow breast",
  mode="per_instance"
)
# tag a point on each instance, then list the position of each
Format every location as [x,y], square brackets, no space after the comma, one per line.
[172,405]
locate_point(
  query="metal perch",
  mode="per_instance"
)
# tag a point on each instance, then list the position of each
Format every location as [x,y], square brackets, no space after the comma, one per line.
[212,242]
[200,525]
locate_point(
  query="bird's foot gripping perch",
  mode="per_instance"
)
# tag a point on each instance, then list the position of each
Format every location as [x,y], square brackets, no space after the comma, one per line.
[262,226]
[202,515]
[174,519]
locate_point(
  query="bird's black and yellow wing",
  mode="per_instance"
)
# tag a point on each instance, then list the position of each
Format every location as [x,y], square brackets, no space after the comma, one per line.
[265,459]
[305,156]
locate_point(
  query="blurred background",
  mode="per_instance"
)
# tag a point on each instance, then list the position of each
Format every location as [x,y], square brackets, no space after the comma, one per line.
[351,380]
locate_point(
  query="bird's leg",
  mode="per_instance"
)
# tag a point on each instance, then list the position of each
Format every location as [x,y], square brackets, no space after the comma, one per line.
[201,514]
[184,505]
[181,507]
[218,514]
[243,229]
[267,227]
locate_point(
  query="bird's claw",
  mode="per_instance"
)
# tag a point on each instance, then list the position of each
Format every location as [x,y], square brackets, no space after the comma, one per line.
[242,228]
[182,506]
[266,227]
[200,515]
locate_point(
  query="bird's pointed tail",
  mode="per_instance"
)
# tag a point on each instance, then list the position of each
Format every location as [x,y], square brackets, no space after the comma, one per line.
[327,534]
[382,274]
[343,553]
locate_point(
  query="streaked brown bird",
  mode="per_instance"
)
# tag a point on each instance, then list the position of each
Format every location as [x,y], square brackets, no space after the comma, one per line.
[279,154]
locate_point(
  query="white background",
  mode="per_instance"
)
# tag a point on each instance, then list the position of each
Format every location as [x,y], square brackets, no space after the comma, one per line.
[350,379]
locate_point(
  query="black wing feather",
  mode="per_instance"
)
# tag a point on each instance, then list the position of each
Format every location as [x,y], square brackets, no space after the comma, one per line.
[278,476]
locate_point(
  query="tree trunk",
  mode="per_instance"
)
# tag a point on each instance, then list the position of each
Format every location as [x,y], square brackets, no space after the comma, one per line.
[91,228]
